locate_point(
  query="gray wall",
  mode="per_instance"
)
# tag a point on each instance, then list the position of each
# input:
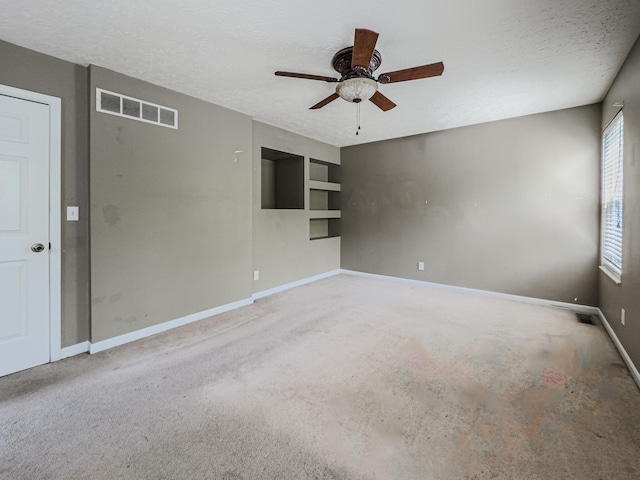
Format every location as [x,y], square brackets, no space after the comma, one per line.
[613,298]
[282,251]
[508,206]
[170,210]
[33,71]
[512,205]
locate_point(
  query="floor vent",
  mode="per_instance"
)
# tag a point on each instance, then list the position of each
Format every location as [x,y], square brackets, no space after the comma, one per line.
[135,109]
[584,318]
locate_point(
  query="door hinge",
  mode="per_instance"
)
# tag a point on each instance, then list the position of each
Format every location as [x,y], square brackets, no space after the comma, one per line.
[49,245]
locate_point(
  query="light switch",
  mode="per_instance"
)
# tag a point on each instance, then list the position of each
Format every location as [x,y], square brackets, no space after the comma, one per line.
[72,214]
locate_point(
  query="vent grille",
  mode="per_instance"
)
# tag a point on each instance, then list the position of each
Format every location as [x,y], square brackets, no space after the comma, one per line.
[136,109]
[588,319]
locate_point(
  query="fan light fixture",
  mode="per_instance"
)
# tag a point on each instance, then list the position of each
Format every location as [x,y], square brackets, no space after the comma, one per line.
[356,66]
[357,89]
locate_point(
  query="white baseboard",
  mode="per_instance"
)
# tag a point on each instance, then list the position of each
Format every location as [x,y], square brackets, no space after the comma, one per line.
[535,301]
[287,286]
[146,332]
[71,350]
[163,327]
[504,296]
[623,353]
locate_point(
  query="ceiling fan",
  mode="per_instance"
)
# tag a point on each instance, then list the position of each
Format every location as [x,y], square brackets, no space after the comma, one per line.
[356,66]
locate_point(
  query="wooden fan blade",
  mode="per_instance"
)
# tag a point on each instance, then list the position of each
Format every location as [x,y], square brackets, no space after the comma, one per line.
[415,73]
[382,102]
[322,103]
[307,76]
[364,45]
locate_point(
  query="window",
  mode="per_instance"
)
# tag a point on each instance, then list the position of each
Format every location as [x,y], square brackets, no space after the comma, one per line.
[612,198]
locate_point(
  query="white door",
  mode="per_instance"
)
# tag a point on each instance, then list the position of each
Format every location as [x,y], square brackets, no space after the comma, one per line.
[24,234]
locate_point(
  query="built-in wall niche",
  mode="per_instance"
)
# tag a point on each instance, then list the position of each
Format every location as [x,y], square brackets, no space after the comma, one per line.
[282,180]
[324,185]
[324,171]
[324,199]
[324,228]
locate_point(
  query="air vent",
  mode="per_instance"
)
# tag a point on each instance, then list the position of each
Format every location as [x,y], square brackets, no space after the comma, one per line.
[588,319]
[129,107]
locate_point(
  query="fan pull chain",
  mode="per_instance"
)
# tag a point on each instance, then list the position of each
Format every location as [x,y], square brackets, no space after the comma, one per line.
[358,119]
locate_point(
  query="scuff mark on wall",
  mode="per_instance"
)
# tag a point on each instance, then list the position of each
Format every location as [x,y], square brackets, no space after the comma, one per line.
[110,214]
[120,138]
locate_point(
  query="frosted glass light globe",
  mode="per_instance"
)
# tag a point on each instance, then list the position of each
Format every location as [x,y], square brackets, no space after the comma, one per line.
[357,89]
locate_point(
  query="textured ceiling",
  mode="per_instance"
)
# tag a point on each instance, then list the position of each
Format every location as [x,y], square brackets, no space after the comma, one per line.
[503,58]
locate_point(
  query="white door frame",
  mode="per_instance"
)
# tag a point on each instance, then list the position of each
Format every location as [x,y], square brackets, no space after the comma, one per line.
[55,225]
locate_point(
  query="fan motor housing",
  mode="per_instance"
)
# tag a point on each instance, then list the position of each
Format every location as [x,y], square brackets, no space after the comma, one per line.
[341,63]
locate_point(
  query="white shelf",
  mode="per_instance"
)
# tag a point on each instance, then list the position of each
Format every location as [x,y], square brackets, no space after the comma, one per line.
[328,186]
[325,237]
[324,214]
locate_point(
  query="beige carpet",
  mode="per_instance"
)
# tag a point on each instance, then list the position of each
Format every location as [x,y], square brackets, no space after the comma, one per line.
[346,378]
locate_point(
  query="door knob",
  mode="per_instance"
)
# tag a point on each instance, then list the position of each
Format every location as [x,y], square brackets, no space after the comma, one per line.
[37,247]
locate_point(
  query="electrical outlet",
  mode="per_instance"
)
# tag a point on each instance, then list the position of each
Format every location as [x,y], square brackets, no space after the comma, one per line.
[622,315]
[421,266]
[256,275]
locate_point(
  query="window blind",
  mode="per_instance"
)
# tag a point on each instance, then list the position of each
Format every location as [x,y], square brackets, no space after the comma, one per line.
[612,195]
